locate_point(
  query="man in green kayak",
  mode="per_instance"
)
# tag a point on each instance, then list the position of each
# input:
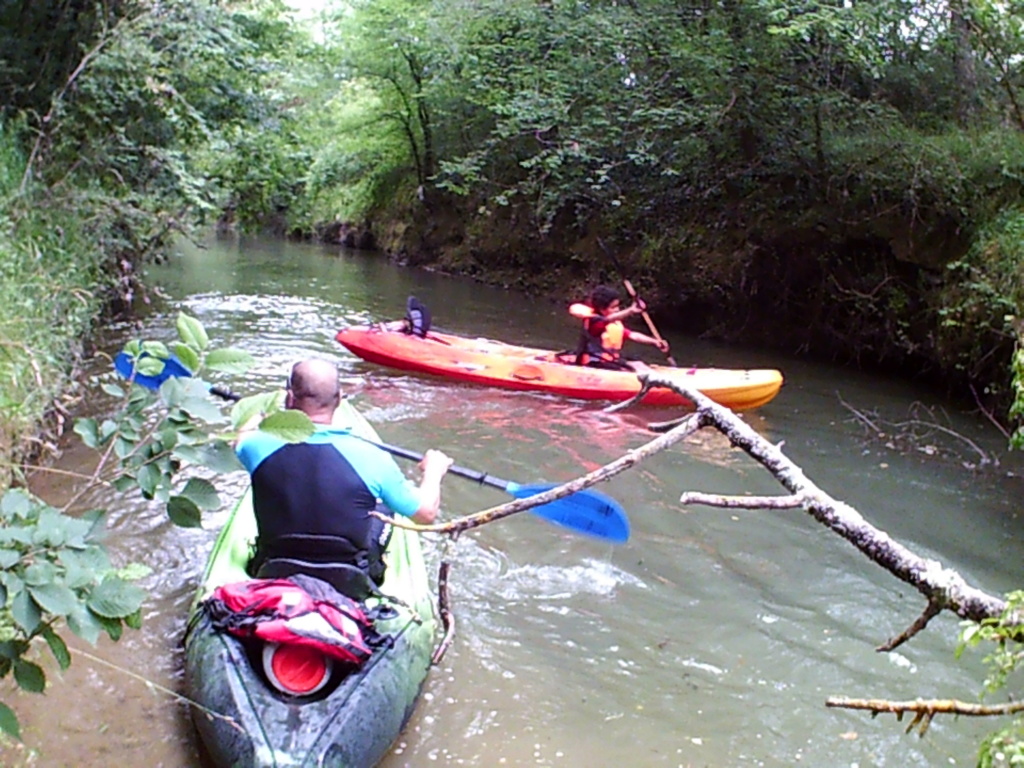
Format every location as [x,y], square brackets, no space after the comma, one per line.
[603,334]
[312,499]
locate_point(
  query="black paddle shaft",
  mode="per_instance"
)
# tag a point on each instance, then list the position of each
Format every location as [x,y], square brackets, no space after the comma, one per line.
[470,474]
[225,394]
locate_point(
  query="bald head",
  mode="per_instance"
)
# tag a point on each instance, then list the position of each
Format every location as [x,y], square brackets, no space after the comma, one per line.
[313,388]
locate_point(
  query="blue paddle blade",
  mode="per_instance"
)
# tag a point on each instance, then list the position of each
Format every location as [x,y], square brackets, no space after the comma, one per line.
[125,365]
[587,512]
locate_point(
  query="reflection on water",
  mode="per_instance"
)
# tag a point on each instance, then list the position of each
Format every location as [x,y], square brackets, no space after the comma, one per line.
[711,639]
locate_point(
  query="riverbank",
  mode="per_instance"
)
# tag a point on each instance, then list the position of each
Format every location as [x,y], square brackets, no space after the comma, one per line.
[48,300]
[61,267]
[935,316]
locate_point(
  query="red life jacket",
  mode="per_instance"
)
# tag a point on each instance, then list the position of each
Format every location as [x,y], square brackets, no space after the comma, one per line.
[601,340]
[298,610]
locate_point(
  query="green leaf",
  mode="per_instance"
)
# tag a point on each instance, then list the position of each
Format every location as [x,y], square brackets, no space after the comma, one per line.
[96,519]
[13,649]
[16,503]
[219,456]
[169,437]
[147,477]
[55,599]
[124,483]
[16,535]
[154,350]
[42,572]
[292,426]
[184,512]
[86,625]
[187,356]
[58,647]
[82,568]
[115,598]
[57,530]
[86,429]
[191,332]
[134,571]
[150,365]
[249,408]
[30,676]
[173,391]
[25,612]
[112,389]
[8,559]
[203,408]
[202,493]
[9,722]
[123,447]
[107,428]
[12,581]
[229,360]
[112,627]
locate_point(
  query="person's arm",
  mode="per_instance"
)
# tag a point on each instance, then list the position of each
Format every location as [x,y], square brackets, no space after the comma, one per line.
[643,338]
[633,309]
[582,311]
[434,465]
[587,312]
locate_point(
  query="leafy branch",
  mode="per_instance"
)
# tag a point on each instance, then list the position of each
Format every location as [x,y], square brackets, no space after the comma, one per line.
[54,570]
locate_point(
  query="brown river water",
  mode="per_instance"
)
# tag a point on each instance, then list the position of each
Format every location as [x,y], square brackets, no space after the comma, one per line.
[712,638]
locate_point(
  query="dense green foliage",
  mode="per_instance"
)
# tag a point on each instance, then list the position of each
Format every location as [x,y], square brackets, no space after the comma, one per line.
[843,180]
[49,264]
[116,131]
[855,160]
[117,126]
[53,570]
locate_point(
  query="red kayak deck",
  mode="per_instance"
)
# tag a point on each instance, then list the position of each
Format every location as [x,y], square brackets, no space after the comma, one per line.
[496,364]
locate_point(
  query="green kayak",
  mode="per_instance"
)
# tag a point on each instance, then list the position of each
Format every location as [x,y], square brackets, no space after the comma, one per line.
[246,720]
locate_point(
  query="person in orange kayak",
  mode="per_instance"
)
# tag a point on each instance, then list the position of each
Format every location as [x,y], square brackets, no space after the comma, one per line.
[416,321]
[603,333]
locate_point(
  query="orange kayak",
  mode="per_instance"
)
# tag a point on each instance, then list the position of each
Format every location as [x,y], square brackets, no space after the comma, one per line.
[496,364]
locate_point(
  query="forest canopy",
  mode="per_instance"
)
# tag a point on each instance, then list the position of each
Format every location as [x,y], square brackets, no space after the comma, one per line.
[837,180]
[841,180]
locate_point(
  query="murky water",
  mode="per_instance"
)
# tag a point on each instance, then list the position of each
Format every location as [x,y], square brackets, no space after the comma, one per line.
[711,639]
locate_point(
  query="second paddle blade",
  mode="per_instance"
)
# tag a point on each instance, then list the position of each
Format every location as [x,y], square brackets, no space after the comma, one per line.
[587,512]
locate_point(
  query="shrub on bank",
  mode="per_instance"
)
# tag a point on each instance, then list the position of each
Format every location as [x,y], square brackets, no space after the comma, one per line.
[48,274]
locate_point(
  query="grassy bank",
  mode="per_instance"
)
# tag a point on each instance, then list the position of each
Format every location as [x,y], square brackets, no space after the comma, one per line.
[51,289]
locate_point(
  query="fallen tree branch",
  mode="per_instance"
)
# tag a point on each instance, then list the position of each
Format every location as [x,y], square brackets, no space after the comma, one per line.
[633,457]
[941,586]
[901,431]
[926,706]
[444,606]
[742,502]
[932,610]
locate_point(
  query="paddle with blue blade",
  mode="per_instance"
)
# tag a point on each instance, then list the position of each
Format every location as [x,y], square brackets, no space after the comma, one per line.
[585,511]
[588,512]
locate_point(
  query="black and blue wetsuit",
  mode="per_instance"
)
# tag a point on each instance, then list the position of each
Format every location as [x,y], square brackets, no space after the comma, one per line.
[312,499]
